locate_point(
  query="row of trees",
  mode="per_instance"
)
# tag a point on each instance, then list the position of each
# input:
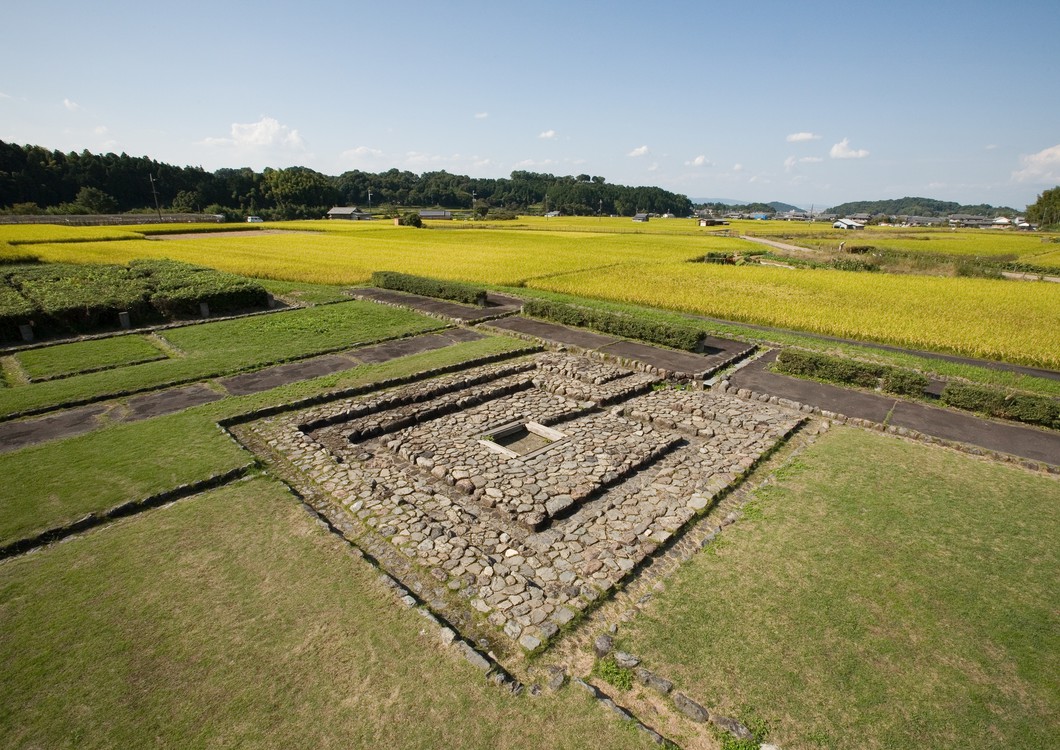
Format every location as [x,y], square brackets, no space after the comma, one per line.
[36,180]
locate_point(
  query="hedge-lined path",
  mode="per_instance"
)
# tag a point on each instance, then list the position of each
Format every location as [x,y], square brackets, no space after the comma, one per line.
[81,419]
[1025,442]
[719,351]
[498,305]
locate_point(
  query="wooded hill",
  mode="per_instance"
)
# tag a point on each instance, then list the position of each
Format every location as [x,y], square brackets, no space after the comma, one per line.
[919,207]
[35,180]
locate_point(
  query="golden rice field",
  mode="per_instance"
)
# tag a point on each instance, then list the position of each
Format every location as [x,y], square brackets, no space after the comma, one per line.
[1012,321]
[348,254]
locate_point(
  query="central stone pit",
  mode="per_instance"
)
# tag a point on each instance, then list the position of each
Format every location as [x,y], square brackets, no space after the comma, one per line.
[523,491]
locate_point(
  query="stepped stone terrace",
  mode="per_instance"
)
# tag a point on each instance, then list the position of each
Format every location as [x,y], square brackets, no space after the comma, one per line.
[520,492]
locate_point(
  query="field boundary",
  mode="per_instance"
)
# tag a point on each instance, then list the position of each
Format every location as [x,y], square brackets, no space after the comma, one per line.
[129,508]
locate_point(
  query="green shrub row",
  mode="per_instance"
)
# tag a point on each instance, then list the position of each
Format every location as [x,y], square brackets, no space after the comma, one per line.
[994,402]
[673,335]
[807,364]
[59,298]
[452,290]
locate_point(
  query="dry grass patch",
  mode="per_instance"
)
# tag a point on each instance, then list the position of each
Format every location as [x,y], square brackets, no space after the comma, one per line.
[232,619]
[880,594]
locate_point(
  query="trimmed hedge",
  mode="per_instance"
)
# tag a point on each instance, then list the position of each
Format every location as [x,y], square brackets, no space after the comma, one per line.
[451,290]
[833,369]
[59,298]
[673,335]
[1020,407]
[895,380]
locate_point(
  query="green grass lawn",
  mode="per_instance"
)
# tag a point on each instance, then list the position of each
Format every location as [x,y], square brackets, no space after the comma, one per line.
[58,482]
[224,347]
[232,619]
[81,356]
[880,594]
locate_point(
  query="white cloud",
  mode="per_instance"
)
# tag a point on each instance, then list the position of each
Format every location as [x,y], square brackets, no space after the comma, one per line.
[266,133]
[100,130]
[791,162]
[842,150]
[638,151]
[654,167]
[1043,166]
[527,163]
[800,137]
[737,167]
[481,115]
[990,146]
[4,96]
[547,134]
[71,106]
[699,161]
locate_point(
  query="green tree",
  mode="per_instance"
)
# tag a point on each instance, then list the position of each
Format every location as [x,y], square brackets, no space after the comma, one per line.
[1045,212]
[95,201]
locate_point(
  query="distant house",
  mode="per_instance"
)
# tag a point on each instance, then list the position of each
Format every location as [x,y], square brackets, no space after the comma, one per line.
[968,220]
[640,217]
[435,214]
[848,224]
[863,218]
[552,215]
[707,222]
[350,213]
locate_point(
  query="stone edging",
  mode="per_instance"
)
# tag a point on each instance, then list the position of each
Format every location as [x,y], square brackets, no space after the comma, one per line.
[378,385]
[438,316]
[622,713]
[748,395]
[129,508]
[37,411]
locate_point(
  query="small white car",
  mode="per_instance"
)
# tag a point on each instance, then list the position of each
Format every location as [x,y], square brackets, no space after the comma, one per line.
[255,220]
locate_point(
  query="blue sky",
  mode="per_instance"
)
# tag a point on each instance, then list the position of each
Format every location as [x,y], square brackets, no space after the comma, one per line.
[811,103]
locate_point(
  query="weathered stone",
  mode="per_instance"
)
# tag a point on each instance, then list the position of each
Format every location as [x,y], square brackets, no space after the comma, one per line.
[654,681]
[628,661]
[529,642]
[690,708]
[731,726]
[603,645]
[477,660]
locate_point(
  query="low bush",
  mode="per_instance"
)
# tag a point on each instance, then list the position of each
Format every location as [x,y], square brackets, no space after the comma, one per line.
[673,335]
[1020,407]
[833,369]
[452,290]
[904,382]
[609,671]
[180,287]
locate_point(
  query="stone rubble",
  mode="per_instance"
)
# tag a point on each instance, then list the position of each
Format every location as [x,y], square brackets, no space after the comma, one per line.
[526,542]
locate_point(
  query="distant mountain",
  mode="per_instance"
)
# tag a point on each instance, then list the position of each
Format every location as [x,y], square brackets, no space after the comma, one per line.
[782,207]
[724,201]
[919,207]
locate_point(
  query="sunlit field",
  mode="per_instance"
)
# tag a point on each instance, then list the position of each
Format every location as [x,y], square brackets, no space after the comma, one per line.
[1014,321]
[617,259]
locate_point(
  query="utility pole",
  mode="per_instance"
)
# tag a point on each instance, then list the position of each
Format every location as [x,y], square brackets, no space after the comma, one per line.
[155,194]
[369,200]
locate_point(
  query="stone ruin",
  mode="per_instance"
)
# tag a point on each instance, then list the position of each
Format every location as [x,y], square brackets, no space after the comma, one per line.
[514,496]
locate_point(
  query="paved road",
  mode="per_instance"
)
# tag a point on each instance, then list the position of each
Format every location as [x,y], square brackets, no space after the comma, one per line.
[1026,442]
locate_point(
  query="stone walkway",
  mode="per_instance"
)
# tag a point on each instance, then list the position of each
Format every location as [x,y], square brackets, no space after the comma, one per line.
[1025,442]
[18,434]
[498,305]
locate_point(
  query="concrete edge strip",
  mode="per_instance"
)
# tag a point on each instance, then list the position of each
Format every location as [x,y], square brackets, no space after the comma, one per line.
[130,508]
[974,450]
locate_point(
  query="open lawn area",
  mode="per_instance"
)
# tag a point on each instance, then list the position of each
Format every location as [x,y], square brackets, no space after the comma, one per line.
[879,594]
[231,619]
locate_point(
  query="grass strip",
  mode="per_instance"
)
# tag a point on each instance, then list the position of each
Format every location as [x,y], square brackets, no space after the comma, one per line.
[58,482]
[227,347]
[232,619]
[879,593]
[63,360]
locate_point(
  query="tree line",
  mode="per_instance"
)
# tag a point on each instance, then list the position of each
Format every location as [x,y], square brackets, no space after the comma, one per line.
[34,180]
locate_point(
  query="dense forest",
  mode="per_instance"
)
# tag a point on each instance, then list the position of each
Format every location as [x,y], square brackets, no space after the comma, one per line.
[34,180]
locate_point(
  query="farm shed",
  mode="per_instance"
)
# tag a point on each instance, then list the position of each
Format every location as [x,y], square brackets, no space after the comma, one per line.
[640,217]
[848,224]
[350,213]
[436,214]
